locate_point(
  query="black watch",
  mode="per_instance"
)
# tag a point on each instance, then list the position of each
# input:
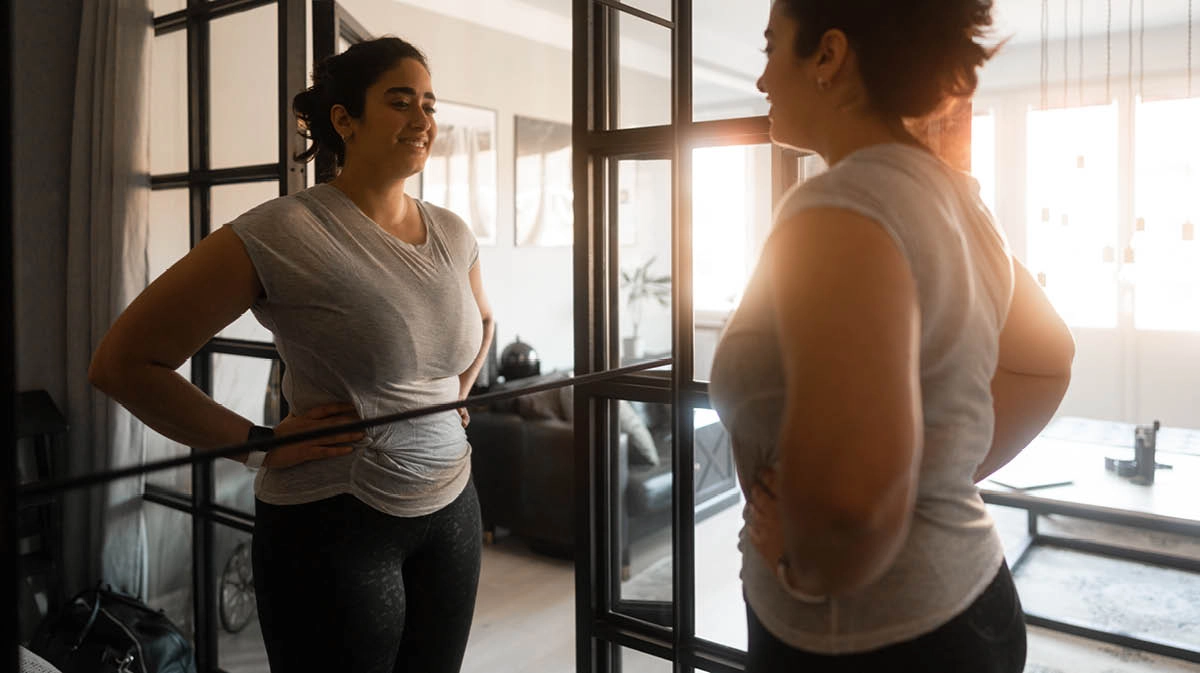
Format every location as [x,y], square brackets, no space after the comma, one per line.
[254,459]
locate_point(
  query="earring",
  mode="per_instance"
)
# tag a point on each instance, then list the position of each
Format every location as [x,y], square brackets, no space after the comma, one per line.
[823,84]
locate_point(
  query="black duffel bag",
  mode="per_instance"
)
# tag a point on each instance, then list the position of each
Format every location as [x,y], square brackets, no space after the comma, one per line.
[101,630]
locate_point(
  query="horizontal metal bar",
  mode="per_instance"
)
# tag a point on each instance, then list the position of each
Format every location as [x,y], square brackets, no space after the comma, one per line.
[84,481]
[217,176]
[175,21]
[242,347]
[182,502]
[1153,646]
[720,132]
[1123,517]
[646,143]
[716,658]
[1175,561]
[641,636]
[169,23]
[639,13]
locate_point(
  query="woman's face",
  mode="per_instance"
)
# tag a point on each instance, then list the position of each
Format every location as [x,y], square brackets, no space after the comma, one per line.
[789,82]
[397,127]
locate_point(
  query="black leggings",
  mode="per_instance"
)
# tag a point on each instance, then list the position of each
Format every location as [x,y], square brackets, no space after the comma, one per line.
[343,587]
[987,637]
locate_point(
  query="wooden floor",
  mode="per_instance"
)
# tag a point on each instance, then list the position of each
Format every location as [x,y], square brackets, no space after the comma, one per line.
[525,614]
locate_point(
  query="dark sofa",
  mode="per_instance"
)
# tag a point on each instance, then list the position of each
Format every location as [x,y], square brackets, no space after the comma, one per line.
[523,466]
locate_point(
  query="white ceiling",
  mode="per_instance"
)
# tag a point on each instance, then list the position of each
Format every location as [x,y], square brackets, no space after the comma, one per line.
[728,33]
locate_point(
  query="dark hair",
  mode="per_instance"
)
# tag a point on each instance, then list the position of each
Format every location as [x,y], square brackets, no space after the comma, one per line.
[343,79]
[912,55]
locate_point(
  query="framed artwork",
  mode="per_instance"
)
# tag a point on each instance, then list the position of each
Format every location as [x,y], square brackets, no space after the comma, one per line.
[460,174]
[543,194]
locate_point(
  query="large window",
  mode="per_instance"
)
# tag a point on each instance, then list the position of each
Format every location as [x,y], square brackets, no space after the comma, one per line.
[1071,210]
[1166,256]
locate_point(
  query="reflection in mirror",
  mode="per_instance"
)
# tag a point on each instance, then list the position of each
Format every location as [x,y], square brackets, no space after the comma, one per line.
[637,661]
[643,220]
[169,564]
[727,58]
[168,91]
[229,201]
[731,217]
[243,58]
[642,516]
[239,641]
[720,609]
[250,388]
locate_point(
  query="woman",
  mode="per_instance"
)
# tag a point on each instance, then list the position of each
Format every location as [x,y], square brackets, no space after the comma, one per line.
[889,353]
[366,545]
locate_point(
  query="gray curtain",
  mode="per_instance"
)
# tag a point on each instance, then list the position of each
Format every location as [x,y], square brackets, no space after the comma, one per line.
[107,265]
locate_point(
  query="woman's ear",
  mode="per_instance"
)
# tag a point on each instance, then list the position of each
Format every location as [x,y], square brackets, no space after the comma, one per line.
[831,53]
[341,120]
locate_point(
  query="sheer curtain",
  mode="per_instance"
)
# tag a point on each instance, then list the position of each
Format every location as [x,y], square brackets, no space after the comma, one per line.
[107,265]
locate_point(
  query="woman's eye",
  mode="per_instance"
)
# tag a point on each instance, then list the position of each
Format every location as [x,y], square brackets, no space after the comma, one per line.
[430,111]
[401,105]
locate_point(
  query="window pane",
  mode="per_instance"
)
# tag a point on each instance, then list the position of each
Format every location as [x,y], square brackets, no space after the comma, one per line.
[643,516]
[168,99]
[983,157]
[644,61]
[245,88]
[170,235]
[240,646]
[248,387]
[169,564]
[161,7]
[228,202]
[731,217]
[1166,268]
[644,258]
[1071,216]
[636,661]
[659,8]
[720,609]
[727,58]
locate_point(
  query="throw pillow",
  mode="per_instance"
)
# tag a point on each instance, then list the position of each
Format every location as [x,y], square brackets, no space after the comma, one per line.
[641,445]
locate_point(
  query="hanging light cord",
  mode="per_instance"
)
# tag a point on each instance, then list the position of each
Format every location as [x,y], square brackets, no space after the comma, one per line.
[1066,46]
[1046,51]
[1108,56]
[1081,4]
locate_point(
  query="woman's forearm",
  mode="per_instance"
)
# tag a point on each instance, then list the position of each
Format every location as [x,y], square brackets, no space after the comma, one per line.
[171,405]
[1023,405]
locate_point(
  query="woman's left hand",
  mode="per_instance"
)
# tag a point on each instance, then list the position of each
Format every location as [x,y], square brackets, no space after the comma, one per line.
[464,415]
[762,519]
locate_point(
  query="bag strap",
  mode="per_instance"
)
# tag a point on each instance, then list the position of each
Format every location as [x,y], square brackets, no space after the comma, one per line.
[90,622]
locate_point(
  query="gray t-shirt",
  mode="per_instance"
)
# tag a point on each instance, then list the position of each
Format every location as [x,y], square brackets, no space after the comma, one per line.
[360,316]
[963,272]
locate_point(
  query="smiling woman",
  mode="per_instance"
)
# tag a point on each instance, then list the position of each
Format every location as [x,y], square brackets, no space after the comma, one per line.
[366,545]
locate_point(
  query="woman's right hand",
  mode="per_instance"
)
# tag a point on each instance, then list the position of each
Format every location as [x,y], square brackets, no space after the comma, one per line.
[316,418]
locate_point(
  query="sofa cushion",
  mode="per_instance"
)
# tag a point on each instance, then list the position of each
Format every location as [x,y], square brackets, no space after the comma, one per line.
[641,444]
[543,405]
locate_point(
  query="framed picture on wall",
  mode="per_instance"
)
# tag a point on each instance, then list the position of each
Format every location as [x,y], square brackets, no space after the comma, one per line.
[542,183]
[460,173]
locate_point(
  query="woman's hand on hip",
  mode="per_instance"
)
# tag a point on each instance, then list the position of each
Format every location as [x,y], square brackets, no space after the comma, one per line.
[762,518]
[326,416]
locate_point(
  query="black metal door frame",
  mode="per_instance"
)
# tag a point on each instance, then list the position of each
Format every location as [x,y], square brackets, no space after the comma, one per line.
[8,379]
[199,179]
[603,624]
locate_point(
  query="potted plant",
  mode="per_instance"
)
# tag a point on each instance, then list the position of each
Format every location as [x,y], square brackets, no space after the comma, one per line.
[639,287]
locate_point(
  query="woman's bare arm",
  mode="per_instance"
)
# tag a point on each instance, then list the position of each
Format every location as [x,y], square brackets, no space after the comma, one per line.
[1034,370]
